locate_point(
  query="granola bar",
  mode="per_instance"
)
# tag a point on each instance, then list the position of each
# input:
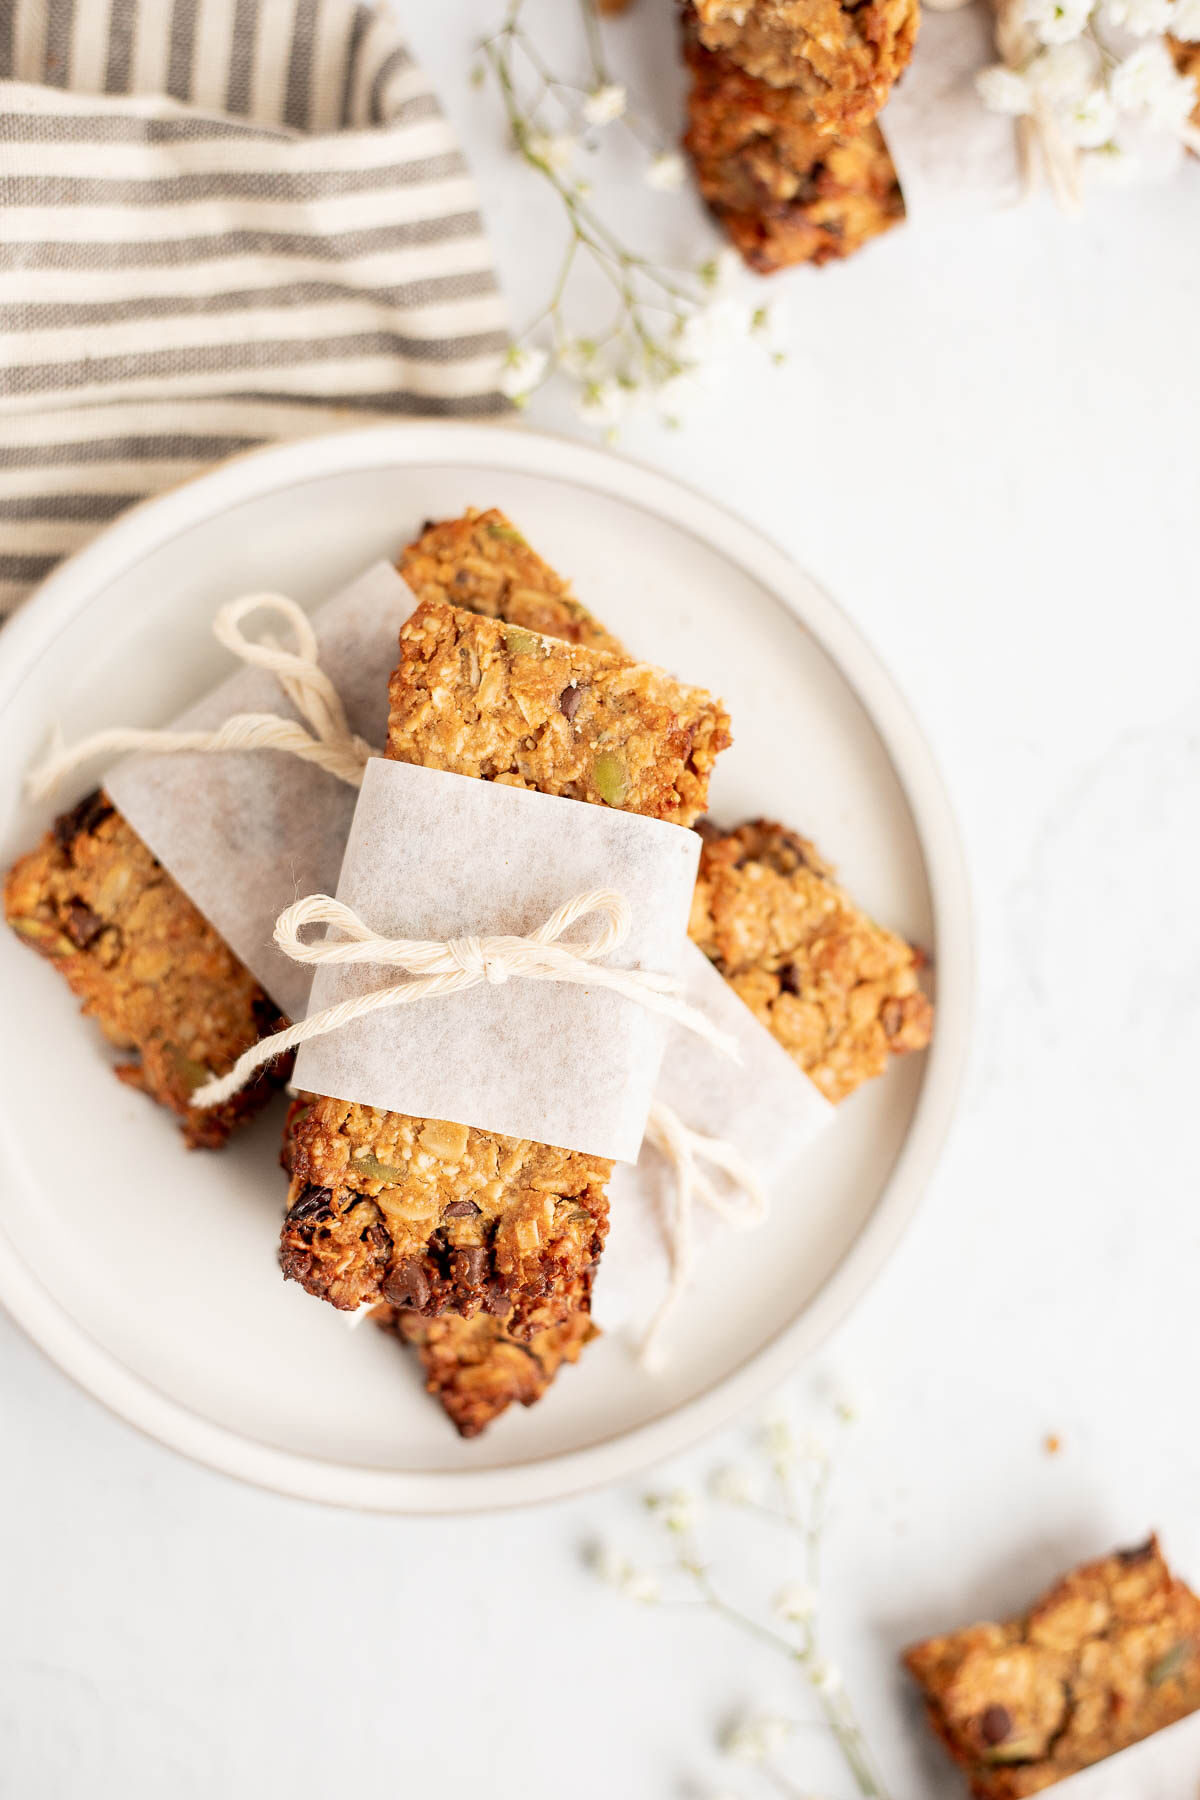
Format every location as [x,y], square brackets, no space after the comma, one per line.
[839,59]
[1187,61]
[476,1369]
[838,991]
[502,703]
[1109,1655]
[783,191]
[147,966]
[481,562]
[440,1217]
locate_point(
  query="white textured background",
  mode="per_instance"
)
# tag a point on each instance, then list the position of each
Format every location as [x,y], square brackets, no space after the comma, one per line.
[985,444]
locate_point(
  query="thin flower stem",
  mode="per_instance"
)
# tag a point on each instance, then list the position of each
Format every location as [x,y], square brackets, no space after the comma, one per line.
[600,239]
[835,1706]
[643,345]
[595,43]
[550,310]
[775,1640]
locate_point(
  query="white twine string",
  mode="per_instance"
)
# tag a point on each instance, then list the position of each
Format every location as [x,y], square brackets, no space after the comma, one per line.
[329,741]
[743,1207]
[1039,135]
[453,965]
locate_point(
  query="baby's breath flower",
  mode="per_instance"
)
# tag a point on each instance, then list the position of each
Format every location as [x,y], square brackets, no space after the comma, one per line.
[813,1448]
[1091,121]
[779,1441]
[1185,21]
[524,368]
[1141,18]
[735,1484]
[603,402]
[575,356]
[768,323]
[665,172]
[1148,83]
[679,1511]
[1056,21]
[642,1586]
[555,151]
[720,270]
[1004,91]
[1065,72]
[715,329]
[1116,164]
[797,1602]
[755,1737]
[825,1677]
[616,1571]
[604,104]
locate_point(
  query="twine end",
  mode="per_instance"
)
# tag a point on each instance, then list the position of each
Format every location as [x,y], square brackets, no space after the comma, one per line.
[45,776]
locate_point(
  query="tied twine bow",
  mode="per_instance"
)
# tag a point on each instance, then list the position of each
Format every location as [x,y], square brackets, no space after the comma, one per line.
[453,965]
[328,742]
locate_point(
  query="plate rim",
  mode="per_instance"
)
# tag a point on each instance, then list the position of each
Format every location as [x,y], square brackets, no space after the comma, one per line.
[151,523]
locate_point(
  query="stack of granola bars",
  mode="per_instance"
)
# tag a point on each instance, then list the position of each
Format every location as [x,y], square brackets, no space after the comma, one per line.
[480,1251]
[781,122]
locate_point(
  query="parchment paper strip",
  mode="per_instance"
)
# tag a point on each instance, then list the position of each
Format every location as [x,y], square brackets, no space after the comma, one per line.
[765,1106]
[246,834]
[955,159]
[434,855]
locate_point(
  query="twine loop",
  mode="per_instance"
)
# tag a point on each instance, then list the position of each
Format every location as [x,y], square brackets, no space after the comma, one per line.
[742,1205]
[328,741]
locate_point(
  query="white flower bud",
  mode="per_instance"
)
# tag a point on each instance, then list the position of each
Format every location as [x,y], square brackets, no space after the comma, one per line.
[604,104]
[797,1602]
[825,1677]
[755,1738]
[735,1485]
[665,172]
[524,368]
[555,153]
[1004,91]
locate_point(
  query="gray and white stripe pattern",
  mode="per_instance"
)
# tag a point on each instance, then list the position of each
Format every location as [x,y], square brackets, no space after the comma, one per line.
[221,222]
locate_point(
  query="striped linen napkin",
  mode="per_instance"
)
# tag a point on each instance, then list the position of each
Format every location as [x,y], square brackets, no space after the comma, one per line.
[221,222]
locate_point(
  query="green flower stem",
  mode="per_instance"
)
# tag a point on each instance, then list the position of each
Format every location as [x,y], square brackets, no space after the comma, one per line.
[588,231]
[595,43]
[839,1714]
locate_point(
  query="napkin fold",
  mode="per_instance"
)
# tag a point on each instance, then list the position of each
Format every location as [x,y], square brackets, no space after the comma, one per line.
[221,222]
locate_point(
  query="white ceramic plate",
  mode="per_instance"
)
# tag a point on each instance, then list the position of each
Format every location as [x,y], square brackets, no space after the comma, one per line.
[149,1274]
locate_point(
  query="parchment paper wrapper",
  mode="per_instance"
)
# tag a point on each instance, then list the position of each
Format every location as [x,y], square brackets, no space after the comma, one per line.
[433,855]
[955,159]
[765,1106]
[245,833]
